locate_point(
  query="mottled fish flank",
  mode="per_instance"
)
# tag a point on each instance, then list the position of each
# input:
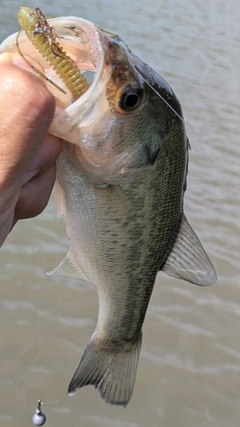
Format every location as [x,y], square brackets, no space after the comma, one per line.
[128,224]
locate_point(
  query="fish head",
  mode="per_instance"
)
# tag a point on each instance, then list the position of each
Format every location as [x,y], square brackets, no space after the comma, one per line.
[113,131]
[118,137]
[121,134]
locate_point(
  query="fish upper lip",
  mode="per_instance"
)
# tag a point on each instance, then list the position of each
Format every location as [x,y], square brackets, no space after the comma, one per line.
[96,47]
[87,43]
[70,118]
[82,40]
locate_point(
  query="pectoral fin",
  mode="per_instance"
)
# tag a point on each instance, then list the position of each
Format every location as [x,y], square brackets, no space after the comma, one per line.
[113,195]
[68,267]
[188,260]
[59,199]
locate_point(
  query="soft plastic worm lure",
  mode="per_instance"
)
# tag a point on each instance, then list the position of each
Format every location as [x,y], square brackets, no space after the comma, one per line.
[42,36]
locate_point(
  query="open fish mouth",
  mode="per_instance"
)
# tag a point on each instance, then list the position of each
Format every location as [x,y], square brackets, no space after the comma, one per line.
[83,43]
[115,124]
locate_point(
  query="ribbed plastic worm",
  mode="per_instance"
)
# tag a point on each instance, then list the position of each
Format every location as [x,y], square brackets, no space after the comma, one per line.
[42,36]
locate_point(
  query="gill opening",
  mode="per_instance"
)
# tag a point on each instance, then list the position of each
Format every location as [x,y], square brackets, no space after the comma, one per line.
[195,138]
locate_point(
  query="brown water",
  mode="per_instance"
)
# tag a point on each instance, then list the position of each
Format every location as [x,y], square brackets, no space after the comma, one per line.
[189,369]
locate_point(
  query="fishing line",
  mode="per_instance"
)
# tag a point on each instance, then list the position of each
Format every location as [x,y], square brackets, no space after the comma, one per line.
[34,68]
[195,138]
[39,418]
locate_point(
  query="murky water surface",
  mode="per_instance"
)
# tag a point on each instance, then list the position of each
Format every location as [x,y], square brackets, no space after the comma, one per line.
[189,370]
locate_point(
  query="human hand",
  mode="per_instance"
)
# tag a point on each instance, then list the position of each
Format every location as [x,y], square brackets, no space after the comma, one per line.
[27,153]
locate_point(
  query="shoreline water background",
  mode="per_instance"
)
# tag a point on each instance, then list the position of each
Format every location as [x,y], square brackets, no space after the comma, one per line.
[189,368]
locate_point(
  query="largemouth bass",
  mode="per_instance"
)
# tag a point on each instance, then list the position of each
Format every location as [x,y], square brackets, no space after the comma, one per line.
[121,179]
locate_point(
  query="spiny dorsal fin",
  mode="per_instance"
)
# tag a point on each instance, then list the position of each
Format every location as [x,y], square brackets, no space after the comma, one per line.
[68,267]
[188,260]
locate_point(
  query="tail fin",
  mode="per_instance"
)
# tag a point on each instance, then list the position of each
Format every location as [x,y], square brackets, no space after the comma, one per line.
[111,370]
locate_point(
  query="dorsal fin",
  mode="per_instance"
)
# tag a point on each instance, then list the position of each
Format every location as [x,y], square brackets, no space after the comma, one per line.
[188,260]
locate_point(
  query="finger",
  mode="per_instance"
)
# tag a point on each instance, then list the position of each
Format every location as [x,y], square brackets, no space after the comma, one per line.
[26,111]
[35,194]
[27,108]
[15,59]
[46,156]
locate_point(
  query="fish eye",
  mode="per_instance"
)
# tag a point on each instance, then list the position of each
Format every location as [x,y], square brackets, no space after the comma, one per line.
[130,98]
